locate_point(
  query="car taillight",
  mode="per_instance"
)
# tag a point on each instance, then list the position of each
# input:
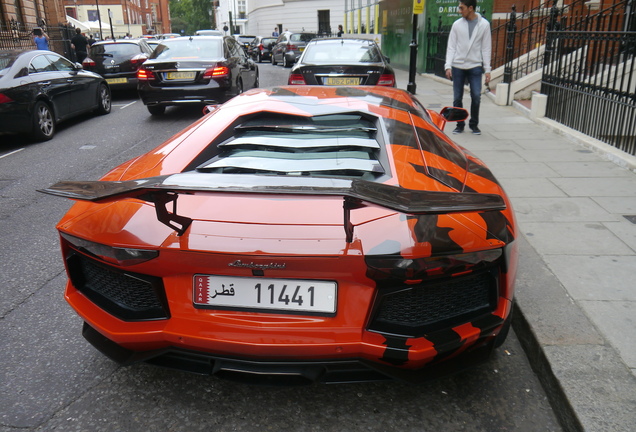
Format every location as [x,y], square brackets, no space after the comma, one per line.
[216,72]
[296,79]
[122,256]
[4,98]
[145,75]
[291,47]
[391,267]
[138,59]
[387,80]
[88,62]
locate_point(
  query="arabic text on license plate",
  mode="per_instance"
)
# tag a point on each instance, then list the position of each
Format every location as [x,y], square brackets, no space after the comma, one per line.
[180,75]
[342,81]
[117,80]
[292,295]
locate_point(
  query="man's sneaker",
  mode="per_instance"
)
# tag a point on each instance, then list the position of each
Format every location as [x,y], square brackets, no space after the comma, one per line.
[458,130]
[475,130]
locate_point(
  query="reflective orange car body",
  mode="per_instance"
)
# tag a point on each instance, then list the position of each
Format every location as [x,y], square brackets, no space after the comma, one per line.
[300,237]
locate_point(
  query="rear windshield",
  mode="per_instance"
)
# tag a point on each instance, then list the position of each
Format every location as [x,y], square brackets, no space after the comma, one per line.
[183,49]
[6,60]
[302,37]
[337,52]
[115,50]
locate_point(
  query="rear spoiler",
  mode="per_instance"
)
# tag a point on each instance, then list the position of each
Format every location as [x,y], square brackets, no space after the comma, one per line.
[163,190]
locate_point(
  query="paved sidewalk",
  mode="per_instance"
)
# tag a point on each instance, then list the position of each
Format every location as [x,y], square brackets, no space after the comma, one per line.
[575,201]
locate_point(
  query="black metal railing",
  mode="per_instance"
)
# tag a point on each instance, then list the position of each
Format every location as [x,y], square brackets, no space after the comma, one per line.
[16,35]
[519,39]
[437,41]
[590,84]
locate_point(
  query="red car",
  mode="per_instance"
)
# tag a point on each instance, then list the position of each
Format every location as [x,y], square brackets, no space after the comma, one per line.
[329,234]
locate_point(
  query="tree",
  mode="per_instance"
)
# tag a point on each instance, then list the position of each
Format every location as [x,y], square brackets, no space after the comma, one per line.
[191,15]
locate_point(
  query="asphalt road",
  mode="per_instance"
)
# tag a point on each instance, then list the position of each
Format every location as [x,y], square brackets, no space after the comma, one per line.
[52,379]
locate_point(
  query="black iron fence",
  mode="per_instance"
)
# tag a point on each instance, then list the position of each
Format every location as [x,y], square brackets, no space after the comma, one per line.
[437,41]
[591,84]
[15,35]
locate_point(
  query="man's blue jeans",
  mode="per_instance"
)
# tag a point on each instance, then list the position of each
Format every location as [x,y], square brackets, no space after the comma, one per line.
[473,76]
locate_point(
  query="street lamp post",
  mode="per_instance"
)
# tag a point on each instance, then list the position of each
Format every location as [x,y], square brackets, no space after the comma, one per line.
[99,20]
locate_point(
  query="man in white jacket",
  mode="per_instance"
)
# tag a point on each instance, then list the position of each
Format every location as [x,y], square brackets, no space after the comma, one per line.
[467,58]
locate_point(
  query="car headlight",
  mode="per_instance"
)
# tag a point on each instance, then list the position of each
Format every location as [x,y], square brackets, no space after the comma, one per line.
[116,255]
[397,267]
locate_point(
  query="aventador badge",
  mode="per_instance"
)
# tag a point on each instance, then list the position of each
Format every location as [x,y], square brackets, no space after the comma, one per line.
[253,265]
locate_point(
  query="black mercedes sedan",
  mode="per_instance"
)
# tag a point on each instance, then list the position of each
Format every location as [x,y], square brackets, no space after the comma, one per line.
[195,69]
[39,89]
[341,61]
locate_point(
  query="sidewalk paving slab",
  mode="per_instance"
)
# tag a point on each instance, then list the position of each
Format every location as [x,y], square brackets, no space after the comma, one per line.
[575,200]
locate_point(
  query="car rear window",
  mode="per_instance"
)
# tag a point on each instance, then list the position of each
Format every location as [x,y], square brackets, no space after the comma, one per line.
[302,37]
[337,52]
[115,50]
[182,49]
[328,145]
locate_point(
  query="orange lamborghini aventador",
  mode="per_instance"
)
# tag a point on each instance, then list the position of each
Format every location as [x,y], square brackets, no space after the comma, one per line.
[302,234]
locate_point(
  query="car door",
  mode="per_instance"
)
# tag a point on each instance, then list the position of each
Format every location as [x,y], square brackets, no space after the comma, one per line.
[82,86]
[247,68]
[51,84]
[279,48]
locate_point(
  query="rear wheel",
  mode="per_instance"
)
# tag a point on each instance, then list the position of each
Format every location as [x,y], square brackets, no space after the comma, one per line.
[239,87]
[43,122]
[103,99]
[274,60]
[257,81]
[285,62]
[156,110]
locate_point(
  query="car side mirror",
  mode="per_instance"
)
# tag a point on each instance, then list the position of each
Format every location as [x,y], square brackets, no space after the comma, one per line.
[388,60]
[454,114]
[77,66]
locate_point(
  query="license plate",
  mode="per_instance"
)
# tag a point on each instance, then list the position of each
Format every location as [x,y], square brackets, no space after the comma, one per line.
[280,295]
[180,75]
[341,81]
[117,80]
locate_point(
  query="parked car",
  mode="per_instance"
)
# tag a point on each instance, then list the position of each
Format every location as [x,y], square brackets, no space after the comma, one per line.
[244,40]
[118,60]
[289,46]
[306,233]
[39,89]
[169,36]
[195,69]
[260,48]
[340,61]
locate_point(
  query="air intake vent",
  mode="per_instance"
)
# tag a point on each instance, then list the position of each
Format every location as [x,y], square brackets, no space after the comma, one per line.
[414,311]
[128,296]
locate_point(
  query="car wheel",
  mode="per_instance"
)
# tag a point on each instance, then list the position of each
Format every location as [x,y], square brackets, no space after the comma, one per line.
[239,87]
[156,110]
[103,99]
[43,122]
[274,60]
[259,58]
[257,82]
[285,62]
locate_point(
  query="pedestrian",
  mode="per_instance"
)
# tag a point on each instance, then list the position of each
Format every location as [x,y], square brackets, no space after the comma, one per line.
[467,58]
[340,30]
[275,32]
[79,44]
[91,40]
[41,39]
